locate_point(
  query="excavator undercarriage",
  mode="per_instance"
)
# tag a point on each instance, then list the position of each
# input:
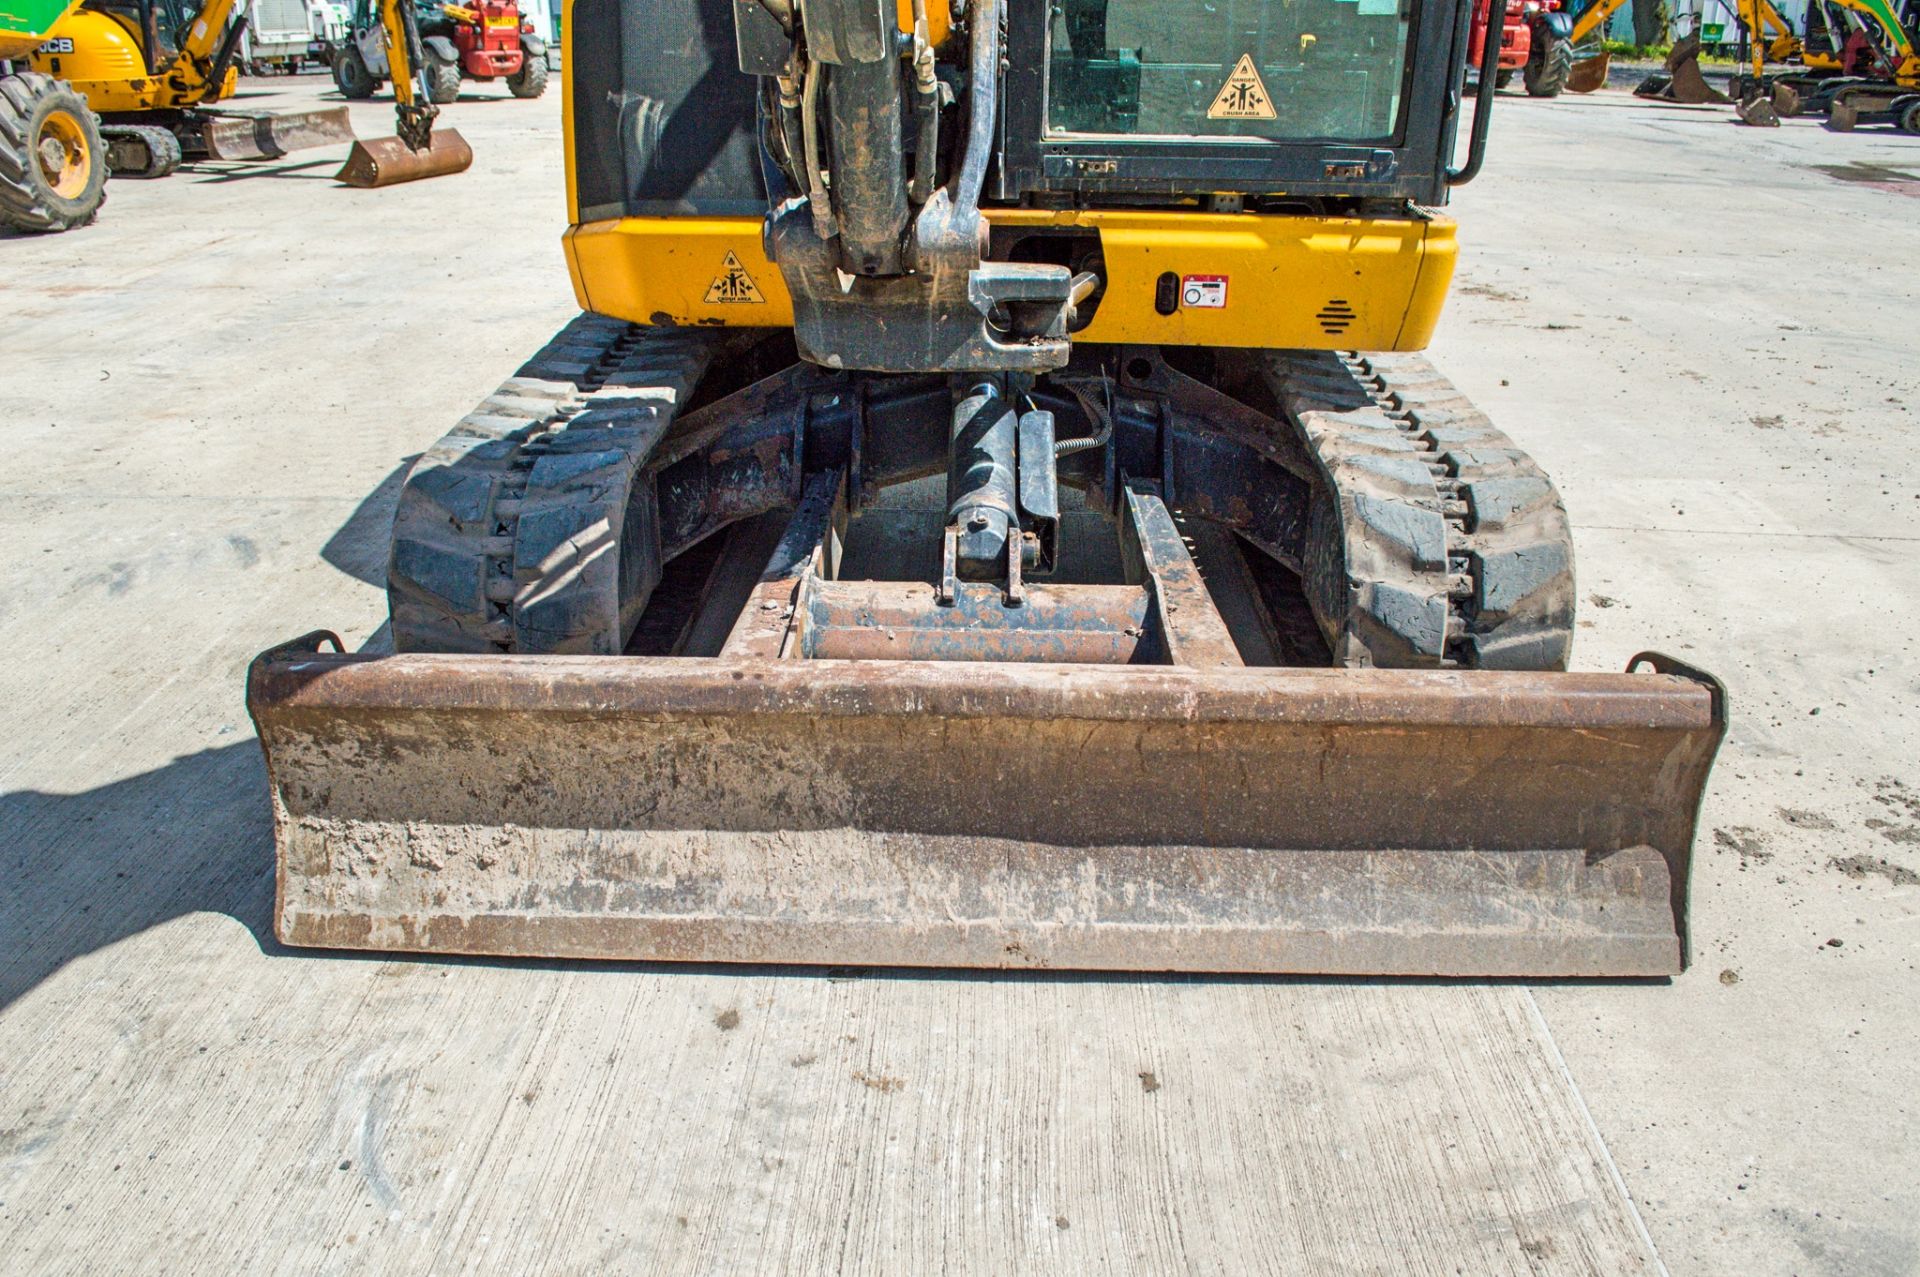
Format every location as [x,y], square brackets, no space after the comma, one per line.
[965,610]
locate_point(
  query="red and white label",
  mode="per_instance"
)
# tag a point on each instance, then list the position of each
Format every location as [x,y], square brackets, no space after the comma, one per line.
[1204,292]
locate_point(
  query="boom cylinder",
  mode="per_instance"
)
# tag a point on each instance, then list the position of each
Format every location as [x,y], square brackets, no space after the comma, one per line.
[869,164]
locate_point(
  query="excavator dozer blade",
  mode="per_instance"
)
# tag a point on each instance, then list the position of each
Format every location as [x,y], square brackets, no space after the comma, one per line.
[956,814]
[387,161]
[241,136]
[1590,74]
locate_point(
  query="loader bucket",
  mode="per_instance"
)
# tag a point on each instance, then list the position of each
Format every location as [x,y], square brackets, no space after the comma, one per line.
[387,161]
[1590,74]
[237,136]
[968,814]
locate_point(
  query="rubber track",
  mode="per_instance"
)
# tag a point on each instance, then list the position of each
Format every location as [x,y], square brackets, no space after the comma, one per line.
[1434,541]
[162,148]
[510,534]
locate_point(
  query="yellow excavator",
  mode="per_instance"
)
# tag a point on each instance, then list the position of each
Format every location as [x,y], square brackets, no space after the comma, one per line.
[1859,63]
[992,513]
[132,87]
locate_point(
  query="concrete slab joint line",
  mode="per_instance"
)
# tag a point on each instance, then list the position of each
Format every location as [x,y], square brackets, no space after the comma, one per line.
[1593,1132]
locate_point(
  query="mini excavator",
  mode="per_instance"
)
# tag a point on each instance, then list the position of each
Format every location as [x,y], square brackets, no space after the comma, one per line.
[992,513]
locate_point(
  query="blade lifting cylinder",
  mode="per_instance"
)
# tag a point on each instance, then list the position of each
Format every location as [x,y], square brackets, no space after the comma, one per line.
[981,478]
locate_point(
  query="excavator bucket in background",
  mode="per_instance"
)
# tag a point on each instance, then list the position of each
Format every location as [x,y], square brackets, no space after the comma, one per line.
[1590,74]
[1681,80]
[239,135]
[388,161]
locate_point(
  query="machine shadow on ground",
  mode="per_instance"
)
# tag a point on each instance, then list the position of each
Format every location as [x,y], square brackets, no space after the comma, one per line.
[359,547]
[90,869]
[195,836]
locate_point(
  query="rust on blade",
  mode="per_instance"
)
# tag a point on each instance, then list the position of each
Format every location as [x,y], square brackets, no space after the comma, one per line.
[969,814]
[387,161]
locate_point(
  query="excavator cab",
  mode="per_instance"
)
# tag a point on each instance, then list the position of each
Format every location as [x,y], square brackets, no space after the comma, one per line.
[157,25]
[993,513]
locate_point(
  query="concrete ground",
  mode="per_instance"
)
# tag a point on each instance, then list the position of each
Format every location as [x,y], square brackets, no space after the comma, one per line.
[1706,333]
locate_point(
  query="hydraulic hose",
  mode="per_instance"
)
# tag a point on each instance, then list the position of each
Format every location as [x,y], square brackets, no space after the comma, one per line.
[983,98]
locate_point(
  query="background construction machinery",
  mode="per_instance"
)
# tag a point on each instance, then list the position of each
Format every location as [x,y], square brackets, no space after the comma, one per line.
[134,87]
[1535,41]
[89,87]
[484,41]
[156,72]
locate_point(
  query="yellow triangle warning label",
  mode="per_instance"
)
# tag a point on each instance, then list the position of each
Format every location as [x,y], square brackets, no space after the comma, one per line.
[733,285]
[1244,96]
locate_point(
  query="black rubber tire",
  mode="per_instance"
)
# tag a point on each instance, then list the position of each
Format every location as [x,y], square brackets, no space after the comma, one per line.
[1909,117]
[443,80]
[29,103]
[351,77]
[1503,77]
[1548,68]
[530,81]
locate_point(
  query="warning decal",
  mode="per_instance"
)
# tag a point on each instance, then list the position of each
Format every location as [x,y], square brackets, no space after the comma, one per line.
[1244,96]
[733,285]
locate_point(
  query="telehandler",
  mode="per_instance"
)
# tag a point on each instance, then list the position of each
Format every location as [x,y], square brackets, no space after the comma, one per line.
[991,514]
[484,40]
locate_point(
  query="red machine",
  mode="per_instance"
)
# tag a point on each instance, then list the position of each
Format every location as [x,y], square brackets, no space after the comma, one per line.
[487,34]
[1534,40]
[493,42]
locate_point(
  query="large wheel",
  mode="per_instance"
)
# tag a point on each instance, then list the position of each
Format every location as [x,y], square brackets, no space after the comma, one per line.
[1548,67]
[530,81]
[443,79]
[53,165]
[1908,115]
[350,74]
